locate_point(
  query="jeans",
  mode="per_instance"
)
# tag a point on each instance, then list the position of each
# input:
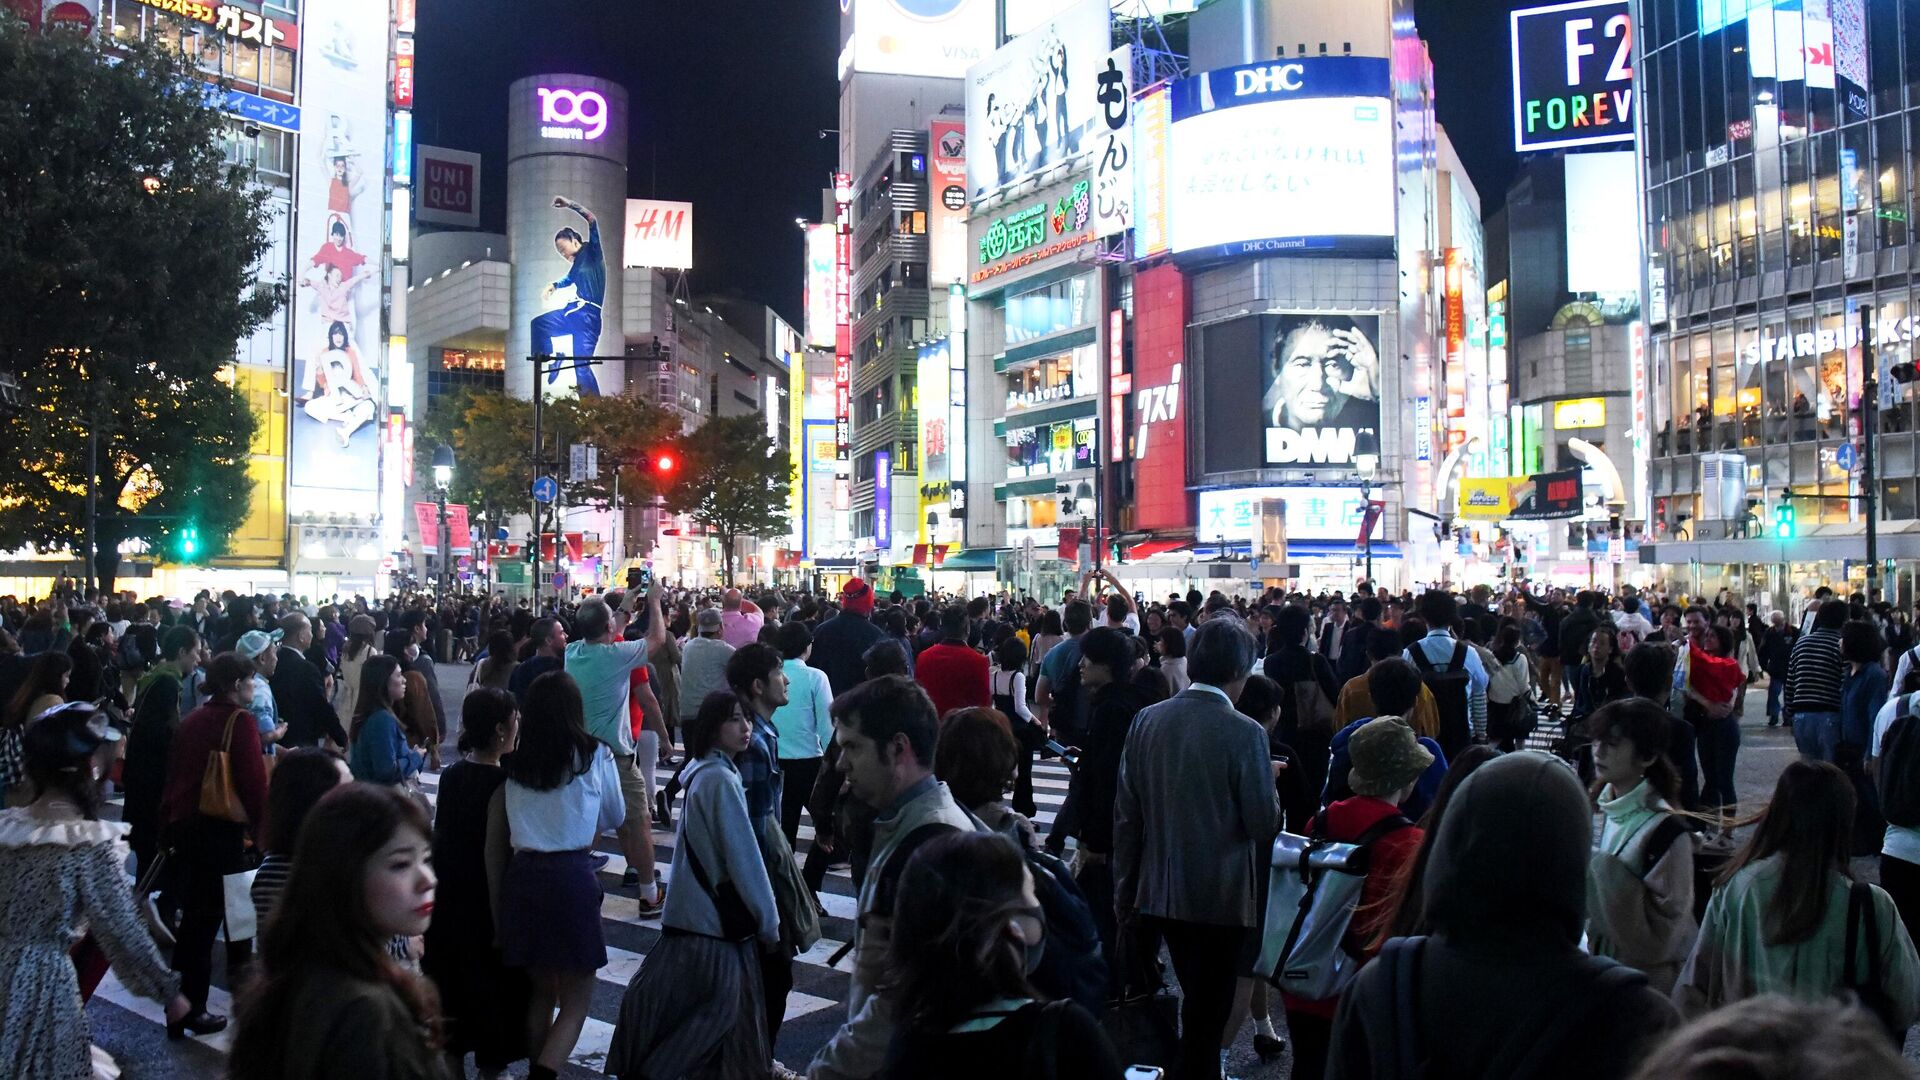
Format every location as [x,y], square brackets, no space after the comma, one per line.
[1718,744]
[1776,694]
[1206,960]
[1817,734]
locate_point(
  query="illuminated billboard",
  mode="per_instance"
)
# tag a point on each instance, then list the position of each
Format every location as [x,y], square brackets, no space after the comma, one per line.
[1034,104]
[1152,116]
[1312,513]
[947,203]
[1284,156]
[339,239]
[1573,74]
[1602,257]
[821,281]
[449,187]
[938,39]
[659,234]
[1319,379]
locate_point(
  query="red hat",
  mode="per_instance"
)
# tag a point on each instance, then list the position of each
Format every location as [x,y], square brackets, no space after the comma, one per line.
[857,596]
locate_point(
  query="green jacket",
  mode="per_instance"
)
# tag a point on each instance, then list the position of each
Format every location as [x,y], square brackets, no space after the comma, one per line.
[1732,959]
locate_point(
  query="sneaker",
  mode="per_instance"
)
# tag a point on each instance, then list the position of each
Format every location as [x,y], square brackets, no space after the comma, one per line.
[781,1072]
[598,862]
[630,879]
[653,910]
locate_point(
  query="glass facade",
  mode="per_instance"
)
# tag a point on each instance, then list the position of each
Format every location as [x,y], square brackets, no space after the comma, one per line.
[1779,185]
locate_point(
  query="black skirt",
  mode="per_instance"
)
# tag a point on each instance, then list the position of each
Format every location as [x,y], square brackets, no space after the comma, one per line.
[551,920]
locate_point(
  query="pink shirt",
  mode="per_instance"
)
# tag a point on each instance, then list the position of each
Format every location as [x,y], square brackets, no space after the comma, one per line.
[740,628]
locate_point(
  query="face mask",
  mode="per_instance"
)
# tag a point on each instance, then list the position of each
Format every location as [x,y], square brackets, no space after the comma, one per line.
[1032,953]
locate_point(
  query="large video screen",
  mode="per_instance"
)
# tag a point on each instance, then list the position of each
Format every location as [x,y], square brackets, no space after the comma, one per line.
[1283,156]
[1032,105]
[1319,380]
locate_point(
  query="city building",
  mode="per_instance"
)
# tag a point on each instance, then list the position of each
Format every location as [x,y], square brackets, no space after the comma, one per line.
[1778,184]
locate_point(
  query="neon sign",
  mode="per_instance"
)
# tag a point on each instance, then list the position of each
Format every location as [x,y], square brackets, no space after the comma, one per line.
[578,115]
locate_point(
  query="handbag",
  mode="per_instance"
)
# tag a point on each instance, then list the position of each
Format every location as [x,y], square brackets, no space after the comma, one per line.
[1144,1023]
[1312,711]
[242,918]
[218,798]
[1872,990]
[144,904]
[799,918]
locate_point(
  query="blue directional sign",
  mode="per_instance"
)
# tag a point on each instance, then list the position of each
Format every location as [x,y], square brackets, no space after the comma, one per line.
[1847,456]
[546,489]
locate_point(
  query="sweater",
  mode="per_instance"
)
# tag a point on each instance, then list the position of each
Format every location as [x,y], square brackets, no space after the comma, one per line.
[1732,960]
[1814,673]
[199,736]
[1640,915]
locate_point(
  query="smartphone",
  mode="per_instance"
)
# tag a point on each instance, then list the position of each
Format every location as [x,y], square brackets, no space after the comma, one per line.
[639,577]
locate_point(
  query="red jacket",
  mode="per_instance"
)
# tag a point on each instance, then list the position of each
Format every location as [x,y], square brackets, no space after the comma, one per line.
[1346,820]
[954,676]
[199,735]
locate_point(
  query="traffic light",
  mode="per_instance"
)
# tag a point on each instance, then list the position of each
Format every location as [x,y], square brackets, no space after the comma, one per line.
[660,464]
[1902,372]
[186,543]
[1783,523]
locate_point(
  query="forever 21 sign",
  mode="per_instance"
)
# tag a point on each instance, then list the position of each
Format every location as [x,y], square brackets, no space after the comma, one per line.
[1573,75]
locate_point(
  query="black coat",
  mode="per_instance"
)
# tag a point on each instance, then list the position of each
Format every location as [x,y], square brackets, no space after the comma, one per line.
[300,693]
[839,649]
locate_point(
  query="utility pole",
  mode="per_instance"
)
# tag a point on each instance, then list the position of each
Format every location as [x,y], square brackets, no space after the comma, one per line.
[539,367]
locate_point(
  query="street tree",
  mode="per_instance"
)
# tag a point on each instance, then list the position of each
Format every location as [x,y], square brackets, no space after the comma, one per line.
[732,482]
[129,258]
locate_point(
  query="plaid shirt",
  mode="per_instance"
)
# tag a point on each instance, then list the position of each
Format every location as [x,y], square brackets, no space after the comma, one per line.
[760,771]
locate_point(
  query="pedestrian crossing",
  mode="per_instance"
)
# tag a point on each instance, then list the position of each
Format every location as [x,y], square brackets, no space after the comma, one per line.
[815,1008]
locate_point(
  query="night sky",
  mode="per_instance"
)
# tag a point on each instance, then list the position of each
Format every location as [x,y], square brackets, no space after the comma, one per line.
[728,97]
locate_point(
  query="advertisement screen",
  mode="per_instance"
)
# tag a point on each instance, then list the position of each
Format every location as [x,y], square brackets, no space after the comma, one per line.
[575,269]
[947,201]
[338,244]
[1312,513]
[1035,102]
[820,281]
[1318,375]
[1286,156]
[1572,75]
[1602,257]
[659,234]
[1151,117]
[931,386]
[937,39]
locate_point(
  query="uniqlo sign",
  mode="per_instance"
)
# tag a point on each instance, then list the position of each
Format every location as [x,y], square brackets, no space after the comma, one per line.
[449,183]
[1573,75]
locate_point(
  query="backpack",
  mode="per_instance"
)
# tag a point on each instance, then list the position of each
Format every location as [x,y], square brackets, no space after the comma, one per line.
[1900,771]
[1451,687]
[1313,888]
[1535,1044]
[1072,967]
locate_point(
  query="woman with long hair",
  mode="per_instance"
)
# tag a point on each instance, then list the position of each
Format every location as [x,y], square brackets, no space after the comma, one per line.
[1008,682]
[483,1000]
[696,1008]
[377,747]
[327,999]
[968,931]
[562,791]
[497,668]
[42,689]
[1785,910]
[300,777]
[1640,881]
[1509,688]
[205,846]
[63,869]
[414,707]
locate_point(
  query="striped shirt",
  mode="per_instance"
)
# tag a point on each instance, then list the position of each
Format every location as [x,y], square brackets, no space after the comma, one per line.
[1814,672]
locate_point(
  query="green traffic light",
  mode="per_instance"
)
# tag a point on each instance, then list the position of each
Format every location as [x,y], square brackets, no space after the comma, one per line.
[1783,523]
[189,542]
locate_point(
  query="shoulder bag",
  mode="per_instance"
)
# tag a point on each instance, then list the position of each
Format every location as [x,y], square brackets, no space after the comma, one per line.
[218,797]
[1871,990]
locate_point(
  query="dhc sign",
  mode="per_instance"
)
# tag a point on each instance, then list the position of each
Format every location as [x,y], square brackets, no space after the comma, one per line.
[1272,79]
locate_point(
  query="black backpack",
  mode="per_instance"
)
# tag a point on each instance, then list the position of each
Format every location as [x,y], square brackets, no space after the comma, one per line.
[1452,687]
[1900,772]
[1072,966]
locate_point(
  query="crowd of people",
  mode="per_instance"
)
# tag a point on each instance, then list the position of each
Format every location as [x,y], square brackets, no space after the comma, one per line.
[1531,796]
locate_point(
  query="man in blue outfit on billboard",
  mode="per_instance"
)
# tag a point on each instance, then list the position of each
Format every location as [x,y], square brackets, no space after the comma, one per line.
[581,318]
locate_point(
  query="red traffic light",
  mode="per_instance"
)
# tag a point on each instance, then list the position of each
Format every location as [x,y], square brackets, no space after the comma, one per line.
[664,463]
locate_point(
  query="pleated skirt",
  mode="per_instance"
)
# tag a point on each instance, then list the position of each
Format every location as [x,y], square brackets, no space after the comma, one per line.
[694,1009]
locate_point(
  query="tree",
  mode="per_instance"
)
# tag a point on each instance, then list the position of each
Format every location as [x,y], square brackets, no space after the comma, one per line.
[732,482]
[129,262]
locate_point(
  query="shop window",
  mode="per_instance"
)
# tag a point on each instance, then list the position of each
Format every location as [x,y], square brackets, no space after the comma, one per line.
[1826,196]
[1799,203]
[1720,217]
[1773,377]
[1745,220]
[1889,183]
[1889,88]
[1724,427]
[1748,394]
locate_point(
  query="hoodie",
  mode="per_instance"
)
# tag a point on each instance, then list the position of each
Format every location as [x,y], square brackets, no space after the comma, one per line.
[1640,914]
[1506,893]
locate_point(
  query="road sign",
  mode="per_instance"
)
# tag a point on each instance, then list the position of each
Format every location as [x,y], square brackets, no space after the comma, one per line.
[1847,457]
[545,489]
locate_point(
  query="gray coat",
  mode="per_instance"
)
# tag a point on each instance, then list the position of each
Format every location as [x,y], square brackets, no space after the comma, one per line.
[1196,813]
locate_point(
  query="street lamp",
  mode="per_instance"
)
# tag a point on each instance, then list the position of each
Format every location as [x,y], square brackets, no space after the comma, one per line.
[442,480]
[1366,462]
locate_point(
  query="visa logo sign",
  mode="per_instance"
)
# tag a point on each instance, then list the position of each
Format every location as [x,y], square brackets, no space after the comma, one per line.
[1272,79]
